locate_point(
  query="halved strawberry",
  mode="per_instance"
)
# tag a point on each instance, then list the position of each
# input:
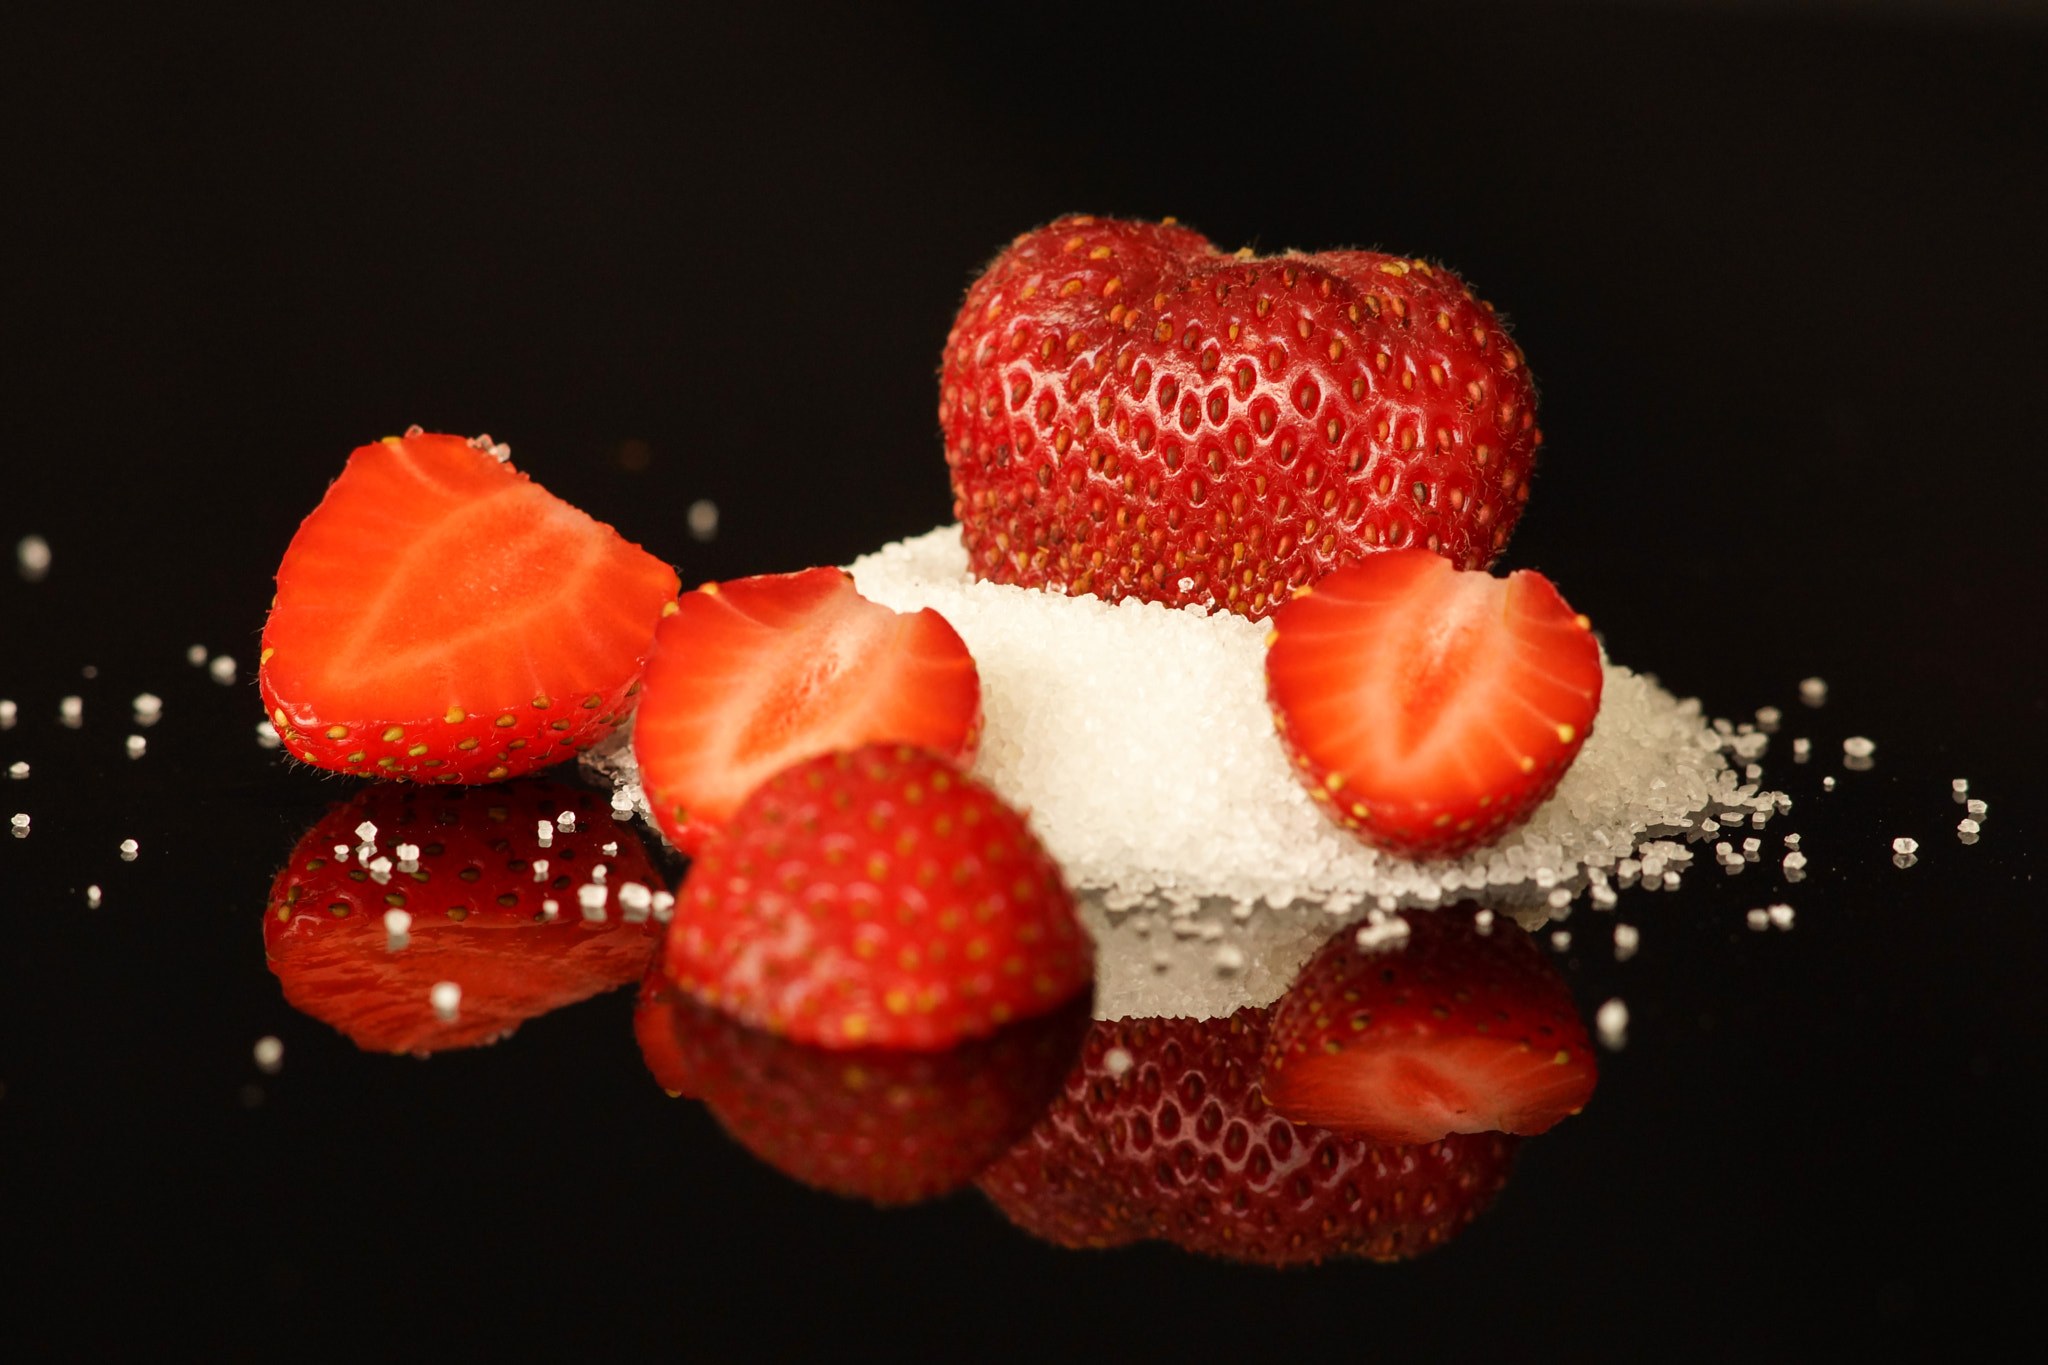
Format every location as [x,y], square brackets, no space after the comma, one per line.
[1427,708]
[750,676]
[888,1126]
[878,898]
[1455,1031]
[477,897]
[443,618]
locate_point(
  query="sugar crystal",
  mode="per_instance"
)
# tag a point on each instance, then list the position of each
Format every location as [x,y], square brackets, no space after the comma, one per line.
[32,558]
[222,669]
[702,519]
[1904,845]
[129,849]
[93,898]
[1814,691]
[1967,826]
[267,736]
[137,745]
[18,769]
[196,656]
[1611,1021]
[1978,809]
[1627,938]
[1560,940]
[397,930]
[71,712]
[1759,919]
[1781,916]
[446,998]
[1856,746]
[8,713]
[269,1053]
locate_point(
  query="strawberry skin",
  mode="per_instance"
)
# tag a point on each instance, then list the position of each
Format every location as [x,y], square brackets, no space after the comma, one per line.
[477,911]
[750,676]
[886,1126]
[441,617]
[1457,1031]
[1178,1144]
[877,898]
[1425,708]
[1124,408]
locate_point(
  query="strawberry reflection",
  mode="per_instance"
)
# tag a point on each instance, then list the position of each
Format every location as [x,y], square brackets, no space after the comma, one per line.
[484,901]
[1359,1115]
[887,1126]
[1162,1133]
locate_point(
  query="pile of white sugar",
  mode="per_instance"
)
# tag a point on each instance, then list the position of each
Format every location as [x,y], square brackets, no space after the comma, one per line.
[1138,739]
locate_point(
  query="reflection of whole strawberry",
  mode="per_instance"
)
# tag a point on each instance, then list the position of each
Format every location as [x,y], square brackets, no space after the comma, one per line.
[1162,1133]
[873,1123]
[1131,413]
[477,902]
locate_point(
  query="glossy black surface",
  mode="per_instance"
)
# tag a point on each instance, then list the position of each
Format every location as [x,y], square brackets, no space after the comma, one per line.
[1777,269]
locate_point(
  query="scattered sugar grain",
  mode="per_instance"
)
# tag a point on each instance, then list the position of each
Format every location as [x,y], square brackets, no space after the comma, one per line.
[635,901]
[1795,861]
[1611,1022]
[662,907]
[93,898]
[9,712]
[1781,915]
[1802,749]
[1961,787]
[1627,938]
[1759,919]
[196,656]
[129,850]
[1483,921]
[1978,809]
[1814,691]
[137,746]
[222,669]
[19,823]
[549,909]
[544,833]
[1117,1061]
[446,998]
[566,821]
[591,896]
[540,870]
[1857,746]
[71,712]
[18,770]
[1560,940]
[269,1053]
[32,558]
[1827,784]
[702,519]
[1792,841]
[1229,959]
[1560,898]
[1967,826]
[267,736]
[1905,845]
[1768,717]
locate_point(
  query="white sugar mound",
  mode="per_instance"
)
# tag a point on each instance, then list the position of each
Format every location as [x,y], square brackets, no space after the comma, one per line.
[1138,738]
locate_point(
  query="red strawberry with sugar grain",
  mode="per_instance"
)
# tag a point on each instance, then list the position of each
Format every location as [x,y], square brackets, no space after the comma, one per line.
[1454,1030]
[1428,709]
[1129,412]
[877,898]
[441,617]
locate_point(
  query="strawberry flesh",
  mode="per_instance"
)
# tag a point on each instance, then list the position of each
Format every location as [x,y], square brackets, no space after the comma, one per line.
[1162,1132]
[477,910]
[1129,412]
[441,617]
[887,1126]
[1456,1031]
[877,898]
[1429,709]
[751,676]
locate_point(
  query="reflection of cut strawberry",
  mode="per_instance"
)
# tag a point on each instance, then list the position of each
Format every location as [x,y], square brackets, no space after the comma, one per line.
[751,676]
[1162,1133]
[477,902]
[877,898]
[443,618]
[888,1126]
[1427,709]
[1455,1032]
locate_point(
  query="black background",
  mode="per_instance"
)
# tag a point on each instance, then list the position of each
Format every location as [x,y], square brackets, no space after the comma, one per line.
[1778,269]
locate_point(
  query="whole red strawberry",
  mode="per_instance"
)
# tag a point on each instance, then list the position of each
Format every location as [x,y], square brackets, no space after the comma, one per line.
[877,897]
[1129,412]
[1453,1030]
[475,899]
[1162,1133]
[441,617]
[872,1123]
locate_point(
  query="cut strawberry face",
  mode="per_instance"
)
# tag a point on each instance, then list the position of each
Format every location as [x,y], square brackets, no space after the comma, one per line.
[443,618]
[1427,709]
[751,676]
[1455,1031]
[475,899]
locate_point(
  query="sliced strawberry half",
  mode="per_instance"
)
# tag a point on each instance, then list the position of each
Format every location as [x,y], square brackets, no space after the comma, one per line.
[1454,1031]
[1426,708]
[751,676]
[441,617]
